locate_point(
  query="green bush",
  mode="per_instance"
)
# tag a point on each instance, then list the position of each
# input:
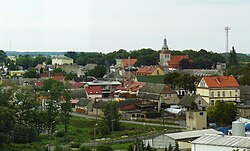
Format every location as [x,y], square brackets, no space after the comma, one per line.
[153,115]
[60,134]
[104,148]
[85,148]
[75,145]
[24,134]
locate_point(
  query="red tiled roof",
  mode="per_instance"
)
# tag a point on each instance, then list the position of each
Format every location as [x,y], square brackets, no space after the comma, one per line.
[127,62]
[221,81]
[39,84]
[130,85]
[93,90]
[77,85]
[147,70]
[43,75]
[175,61]
[60,78]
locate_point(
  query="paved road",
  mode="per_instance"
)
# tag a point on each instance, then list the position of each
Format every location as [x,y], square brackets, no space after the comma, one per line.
[126,121]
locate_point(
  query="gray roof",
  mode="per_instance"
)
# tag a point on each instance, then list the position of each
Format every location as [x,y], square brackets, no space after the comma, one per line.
[153,91]
[219,140]
[188,99]
[83,102]
[191,134]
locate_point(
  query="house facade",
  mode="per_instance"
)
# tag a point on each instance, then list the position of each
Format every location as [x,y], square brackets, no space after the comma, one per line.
[150,71]
[219,88]
[159,93]
[196,120]
[60,60]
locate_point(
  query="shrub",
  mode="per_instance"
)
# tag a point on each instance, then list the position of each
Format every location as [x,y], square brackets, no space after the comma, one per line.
[60,134]
[104,148]
[24,134]
[75,145]
[85,148]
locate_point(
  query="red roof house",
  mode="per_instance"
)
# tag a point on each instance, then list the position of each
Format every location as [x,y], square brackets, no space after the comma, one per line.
[150,70]
[127,62]
[93,92]
[221,81]
[77,85]
[58,77]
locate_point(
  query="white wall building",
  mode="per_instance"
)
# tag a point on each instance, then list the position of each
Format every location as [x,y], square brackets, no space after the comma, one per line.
[221,143]
[60,60]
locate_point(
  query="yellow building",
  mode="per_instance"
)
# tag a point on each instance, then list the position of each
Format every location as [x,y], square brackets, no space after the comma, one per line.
[196,120]
[17,73]
[150,71]
[219,88]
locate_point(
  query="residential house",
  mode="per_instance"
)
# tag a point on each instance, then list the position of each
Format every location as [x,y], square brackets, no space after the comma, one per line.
[77,85]
[107,87]
[150,71]
[16,73]
[244,93]
[60,60]
[159,93]
[193,102]
[93,92]
[221,143]
[128,89]
[98,108]
[84,106]
[219,88]
[183,138]
[243,109]
[128,104]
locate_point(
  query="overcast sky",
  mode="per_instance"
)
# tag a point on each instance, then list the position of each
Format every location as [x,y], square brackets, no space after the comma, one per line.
[108,25]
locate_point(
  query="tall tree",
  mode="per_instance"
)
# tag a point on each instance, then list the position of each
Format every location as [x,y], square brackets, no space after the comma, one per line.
[111,116]
[65,110]
[98,72]
[222,112]
[233,58]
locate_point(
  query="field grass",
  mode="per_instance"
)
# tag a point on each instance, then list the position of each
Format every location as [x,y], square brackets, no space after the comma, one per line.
[81,130]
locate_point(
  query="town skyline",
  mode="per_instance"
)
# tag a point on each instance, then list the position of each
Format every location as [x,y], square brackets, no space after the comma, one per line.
[97,26]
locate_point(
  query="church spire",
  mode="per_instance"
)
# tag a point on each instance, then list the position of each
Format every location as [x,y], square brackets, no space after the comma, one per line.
[165,46]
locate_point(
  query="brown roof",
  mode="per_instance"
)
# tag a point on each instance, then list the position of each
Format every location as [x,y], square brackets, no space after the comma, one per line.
[221,81]
[147,70]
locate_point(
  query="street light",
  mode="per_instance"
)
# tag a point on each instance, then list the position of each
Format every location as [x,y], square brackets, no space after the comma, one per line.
[112,125]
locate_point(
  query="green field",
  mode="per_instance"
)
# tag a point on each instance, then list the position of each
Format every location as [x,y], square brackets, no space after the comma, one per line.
[81,130]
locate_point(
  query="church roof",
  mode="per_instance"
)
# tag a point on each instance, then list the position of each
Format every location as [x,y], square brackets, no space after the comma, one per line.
[175,61]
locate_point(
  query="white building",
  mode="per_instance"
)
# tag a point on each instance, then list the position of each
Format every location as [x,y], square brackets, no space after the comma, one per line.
[183,139]
[60,60]
[221,143]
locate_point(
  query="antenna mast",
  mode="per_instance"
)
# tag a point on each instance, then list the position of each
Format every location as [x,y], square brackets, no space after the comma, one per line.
[227,31]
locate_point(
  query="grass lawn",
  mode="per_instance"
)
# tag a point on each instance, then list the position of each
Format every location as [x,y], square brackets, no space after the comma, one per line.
[81,130]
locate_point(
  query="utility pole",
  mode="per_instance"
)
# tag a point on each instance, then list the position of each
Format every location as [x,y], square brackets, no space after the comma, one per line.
[227,30]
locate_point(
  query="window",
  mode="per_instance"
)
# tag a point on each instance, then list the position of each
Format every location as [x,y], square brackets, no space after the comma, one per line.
[223,93]
[230,93]
[200,102]
[201,113]
[212,102]
[212,94]
[218,93]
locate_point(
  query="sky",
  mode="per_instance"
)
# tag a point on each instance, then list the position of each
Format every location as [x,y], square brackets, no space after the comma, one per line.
[110,25]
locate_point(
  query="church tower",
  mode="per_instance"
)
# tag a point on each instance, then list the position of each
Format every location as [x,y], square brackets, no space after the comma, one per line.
[165,55]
